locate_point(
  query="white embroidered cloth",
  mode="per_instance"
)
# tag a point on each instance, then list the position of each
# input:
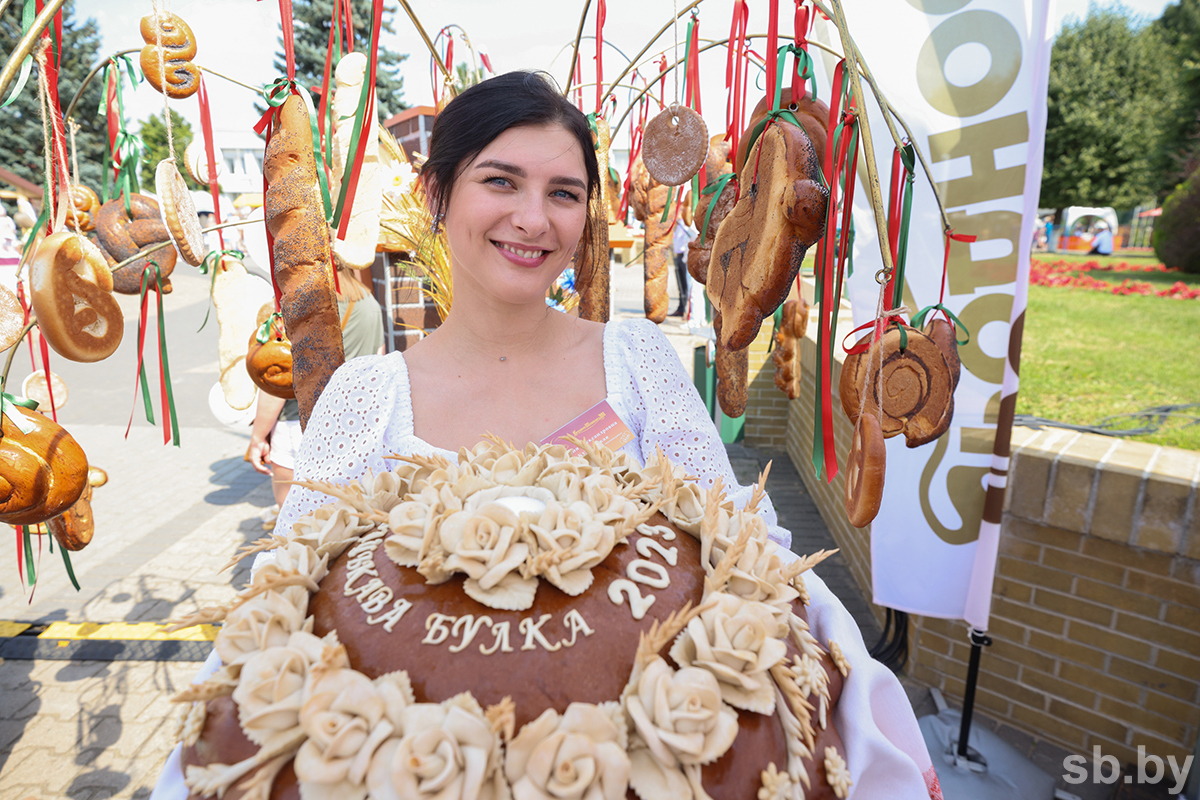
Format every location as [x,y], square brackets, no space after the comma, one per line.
[366,409]
[365,413]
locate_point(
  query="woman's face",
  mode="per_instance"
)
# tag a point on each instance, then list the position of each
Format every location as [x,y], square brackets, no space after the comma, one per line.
[516,214]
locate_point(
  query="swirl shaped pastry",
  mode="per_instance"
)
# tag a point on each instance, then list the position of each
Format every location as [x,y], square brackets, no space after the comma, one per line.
[72,298]
[122,234]
[169,68]
[270,363]
[42,473]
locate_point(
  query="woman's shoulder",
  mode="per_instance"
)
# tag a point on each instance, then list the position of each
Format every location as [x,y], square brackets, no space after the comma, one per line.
[641,341]
[370,369]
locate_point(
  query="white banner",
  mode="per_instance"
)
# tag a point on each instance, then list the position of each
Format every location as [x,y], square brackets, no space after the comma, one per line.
[969,79]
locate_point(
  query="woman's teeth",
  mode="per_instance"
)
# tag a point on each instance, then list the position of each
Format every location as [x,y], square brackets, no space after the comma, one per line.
[520,253]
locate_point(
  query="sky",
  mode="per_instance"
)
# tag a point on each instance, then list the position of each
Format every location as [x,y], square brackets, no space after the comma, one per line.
[239,38]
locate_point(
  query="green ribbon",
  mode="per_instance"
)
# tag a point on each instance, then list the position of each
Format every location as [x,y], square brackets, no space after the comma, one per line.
[30,572]
[351,152]
[909,160]
[715,188]
[215,257]
[23,423]
[277,94]
[918,321]
[28,14]
[129,146]
[264,331]
[67,562]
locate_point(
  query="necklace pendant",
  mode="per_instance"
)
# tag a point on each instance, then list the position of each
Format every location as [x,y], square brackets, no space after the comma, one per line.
[503,358]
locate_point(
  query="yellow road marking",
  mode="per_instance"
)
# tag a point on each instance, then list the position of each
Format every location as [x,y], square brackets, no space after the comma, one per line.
[8,629]
[128,631]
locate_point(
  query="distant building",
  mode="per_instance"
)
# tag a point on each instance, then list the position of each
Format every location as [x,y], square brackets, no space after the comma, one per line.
[242,154]
[412,127]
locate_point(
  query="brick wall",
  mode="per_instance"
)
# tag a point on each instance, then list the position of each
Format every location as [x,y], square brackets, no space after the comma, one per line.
[766,406]
[1096,608]
[413,314]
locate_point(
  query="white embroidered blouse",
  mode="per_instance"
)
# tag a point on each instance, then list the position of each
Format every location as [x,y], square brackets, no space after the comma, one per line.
[365,413]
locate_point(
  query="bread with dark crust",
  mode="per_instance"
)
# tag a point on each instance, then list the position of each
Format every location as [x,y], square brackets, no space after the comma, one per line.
[760,245]
[303,271]
[124,233]
[648,198]
[700,248]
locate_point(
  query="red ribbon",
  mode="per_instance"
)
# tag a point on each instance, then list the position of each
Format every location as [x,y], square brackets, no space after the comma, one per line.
[211,161]
[772,46]
[601,14]
[958,237]
[263,128]
[735,74]
[25,308]
[635,149]
[692,79]
[112,116]
[289,39]
[368,122]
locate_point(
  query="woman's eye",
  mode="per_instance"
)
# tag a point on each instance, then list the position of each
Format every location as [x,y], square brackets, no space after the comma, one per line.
[498,180]
[567,195]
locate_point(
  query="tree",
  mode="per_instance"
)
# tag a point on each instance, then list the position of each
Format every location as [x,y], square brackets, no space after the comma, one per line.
[21,141]
[1176,235]
[154,138]
[1106,130]
[1179,30]
[311,22]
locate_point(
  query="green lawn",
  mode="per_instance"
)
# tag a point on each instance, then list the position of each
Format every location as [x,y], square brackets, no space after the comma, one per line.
[1087,354]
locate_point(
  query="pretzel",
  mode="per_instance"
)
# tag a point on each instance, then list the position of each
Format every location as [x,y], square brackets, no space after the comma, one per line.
[71,290]
[124,234]
[42,473]
[864,471]
[169,69]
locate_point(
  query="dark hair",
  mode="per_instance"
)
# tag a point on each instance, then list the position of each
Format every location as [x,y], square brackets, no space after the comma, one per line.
[472,120]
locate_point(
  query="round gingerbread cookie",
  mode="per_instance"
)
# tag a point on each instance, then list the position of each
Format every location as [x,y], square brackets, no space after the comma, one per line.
[34,387]
[675,145]
[179,212]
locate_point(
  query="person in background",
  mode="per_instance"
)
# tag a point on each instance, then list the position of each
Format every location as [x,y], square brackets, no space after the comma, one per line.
[679,244]
[1102,241]
[275,435]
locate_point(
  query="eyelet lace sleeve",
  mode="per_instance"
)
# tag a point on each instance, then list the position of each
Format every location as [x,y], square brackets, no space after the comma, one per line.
[658,394]
[358,419]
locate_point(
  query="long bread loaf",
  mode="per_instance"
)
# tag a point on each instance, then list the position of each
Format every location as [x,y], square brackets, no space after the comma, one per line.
[302,267]
[648,198]
[591,257]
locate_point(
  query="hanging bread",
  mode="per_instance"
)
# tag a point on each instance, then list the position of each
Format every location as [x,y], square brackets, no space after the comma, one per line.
[43,470]
[591,256]
[786,354]
[269,363]
[179,212]
[865,469]
[813,116]
[942,334]
[733,371]
[303,271]
[73,528]
[700,249]
[674,145]
[166,60]
[357,250]
[82,208]
[760,245]
[648,198]
[35,388]
[915,390]
[195,159]
[71,293]
[12,318]
[124,233]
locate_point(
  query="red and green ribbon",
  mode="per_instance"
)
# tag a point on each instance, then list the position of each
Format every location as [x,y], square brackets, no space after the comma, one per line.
[263,335]
[123,155]
[736,74]
[28,14]
[152,280]
[210,158]
[363,120]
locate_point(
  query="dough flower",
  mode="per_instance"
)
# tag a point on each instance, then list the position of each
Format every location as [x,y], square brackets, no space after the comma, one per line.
[485,544]
[577,756]
[263,622]
[271,688]
[734,640]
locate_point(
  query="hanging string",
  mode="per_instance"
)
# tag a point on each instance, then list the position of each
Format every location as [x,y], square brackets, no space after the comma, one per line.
[74,126]
[162,72]
[675,49]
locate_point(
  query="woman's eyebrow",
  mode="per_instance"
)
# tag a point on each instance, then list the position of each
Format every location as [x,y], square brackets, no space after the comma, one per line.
[513,169]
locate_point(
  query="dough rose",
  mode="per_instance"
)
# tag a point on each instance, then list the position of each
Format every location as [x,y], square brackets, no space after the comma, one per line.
[578,756]
[448,752]
[484,544]
[735,641]
[263,622]
[271,688]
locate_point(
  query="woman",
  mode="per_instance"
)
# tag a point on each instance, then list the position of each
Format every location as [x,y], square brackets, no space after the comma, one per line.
[509,176]
[510,172]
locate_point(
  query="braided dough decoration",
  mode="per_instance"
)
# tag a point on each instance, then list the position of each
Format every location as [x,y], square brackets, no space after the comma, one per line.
[42,473]
[760,245]
[74,527]
[182,77]
[865,471]
[787,347]
[648,198]
[270,364]
[179,212]
[700,248]
[122,235]
[72,298]
[84,203]
[12,318]
[675,145]
[916,389]
[302,269]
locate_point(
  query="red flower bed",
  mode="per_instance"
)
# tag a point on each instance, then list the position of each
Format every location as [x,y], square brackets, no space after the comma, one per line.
[1066,273]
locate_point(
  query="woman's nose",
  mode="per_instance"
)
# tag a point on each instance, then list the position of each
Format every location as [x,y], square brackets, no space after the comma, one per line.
[530,215]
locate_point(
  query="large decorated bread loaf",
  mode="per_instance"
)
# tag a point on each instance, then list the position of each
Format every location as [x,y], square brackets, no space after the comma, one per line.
[522,624]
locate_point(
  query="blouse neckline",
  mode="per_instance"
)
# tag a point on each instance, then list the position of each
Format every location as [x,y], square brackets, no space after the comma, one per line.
[608,349]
